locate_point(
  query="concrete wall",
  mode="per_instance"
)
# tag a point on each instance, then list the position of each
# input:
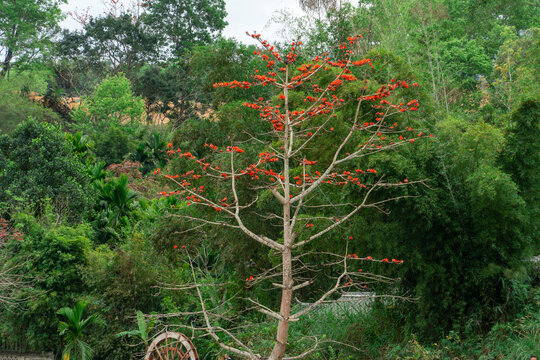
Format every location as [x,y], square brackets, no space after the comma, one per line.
[6,355]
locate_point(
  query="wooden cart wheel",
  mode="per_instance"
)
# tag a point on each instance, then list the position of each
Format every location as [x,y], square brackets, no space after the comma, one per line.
[171,346]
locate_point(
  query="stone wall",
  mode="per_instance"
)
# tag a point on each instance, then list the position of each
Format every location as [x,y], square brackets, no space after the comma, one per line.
[6,355]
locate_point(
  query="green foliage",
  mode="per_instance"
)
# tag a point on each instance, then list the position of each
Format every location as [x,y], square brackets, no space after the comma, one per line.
[473,222]
[152,153]
[115,195]
[159,84]
[224,59]
[212,274]
[202,21]
[178,89]
[515,71]
[124,280]
[170,89]
[72,329]
[118,41]
[96,171]
[83,147]
[26,27]
[517,339]
[114,207]
[450,43]
[522,160]
[344,332]
[75,72]
[111,116]
[144,328]
[112,103]
[15,107]
[113,145]
[38,164]
[53,256]
[465,59]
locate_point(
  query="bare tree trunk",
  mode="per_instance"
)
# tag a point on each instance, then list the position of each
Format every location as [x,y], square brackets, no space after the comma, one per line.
[6,64]
[285,309]
[286,292]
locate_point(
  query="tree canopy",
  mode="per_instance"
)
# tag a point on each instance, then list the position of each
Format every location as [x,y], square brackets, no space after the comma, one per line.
[26,28]
[180,24]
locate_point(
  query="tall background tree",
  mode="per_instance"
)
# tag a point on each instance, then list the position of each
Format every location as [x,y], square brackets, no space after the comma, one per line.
[121,42]
[26,27]
[180,24]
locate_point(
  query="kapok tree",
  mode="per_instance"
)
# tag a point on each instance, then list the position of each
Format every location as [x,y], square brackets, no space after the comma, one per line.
[300,125]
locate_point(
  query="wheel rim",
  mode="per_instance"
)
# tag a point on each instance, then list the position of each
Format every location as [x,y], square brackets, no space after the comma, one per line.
[171,346]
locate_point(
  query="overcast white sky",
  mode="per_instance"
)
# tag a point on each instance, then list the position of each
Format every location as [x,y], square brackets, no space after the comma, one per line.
[242,15]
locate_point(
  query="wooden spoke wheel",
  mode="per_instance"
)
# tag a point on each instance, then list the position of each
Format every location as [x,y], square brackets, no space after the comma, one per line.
[171,346]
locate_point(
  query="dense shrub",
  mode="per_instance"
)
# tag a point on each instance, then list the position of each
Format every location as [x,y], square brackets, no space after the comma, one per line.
[113,144]
[51,256]
[38,164]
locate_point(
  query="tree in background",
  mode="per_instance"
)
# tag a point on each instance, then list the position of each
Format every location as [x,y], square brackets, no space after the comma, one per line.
[318,104]
[170,89]
[76,72]
[26,27]
[111,116]
[515,69]
[182,88]
[121,42]
[320,7]
[522,160]
[112,103]
[181,24]
[436,38]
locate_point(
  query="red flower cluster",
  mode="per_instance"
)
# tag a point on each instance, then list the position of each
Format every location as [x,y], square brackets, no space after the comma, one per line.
[211,146]
[234,149]
[234,84]
[369,258]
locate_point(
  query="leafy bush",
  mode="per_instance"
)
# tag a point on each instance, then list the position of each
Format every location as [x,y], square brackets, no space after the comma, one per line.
[113,144]
[112,117]
[114,207]
[151,153]
[36,164]
[122,281]
[53,256]
[112,102]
